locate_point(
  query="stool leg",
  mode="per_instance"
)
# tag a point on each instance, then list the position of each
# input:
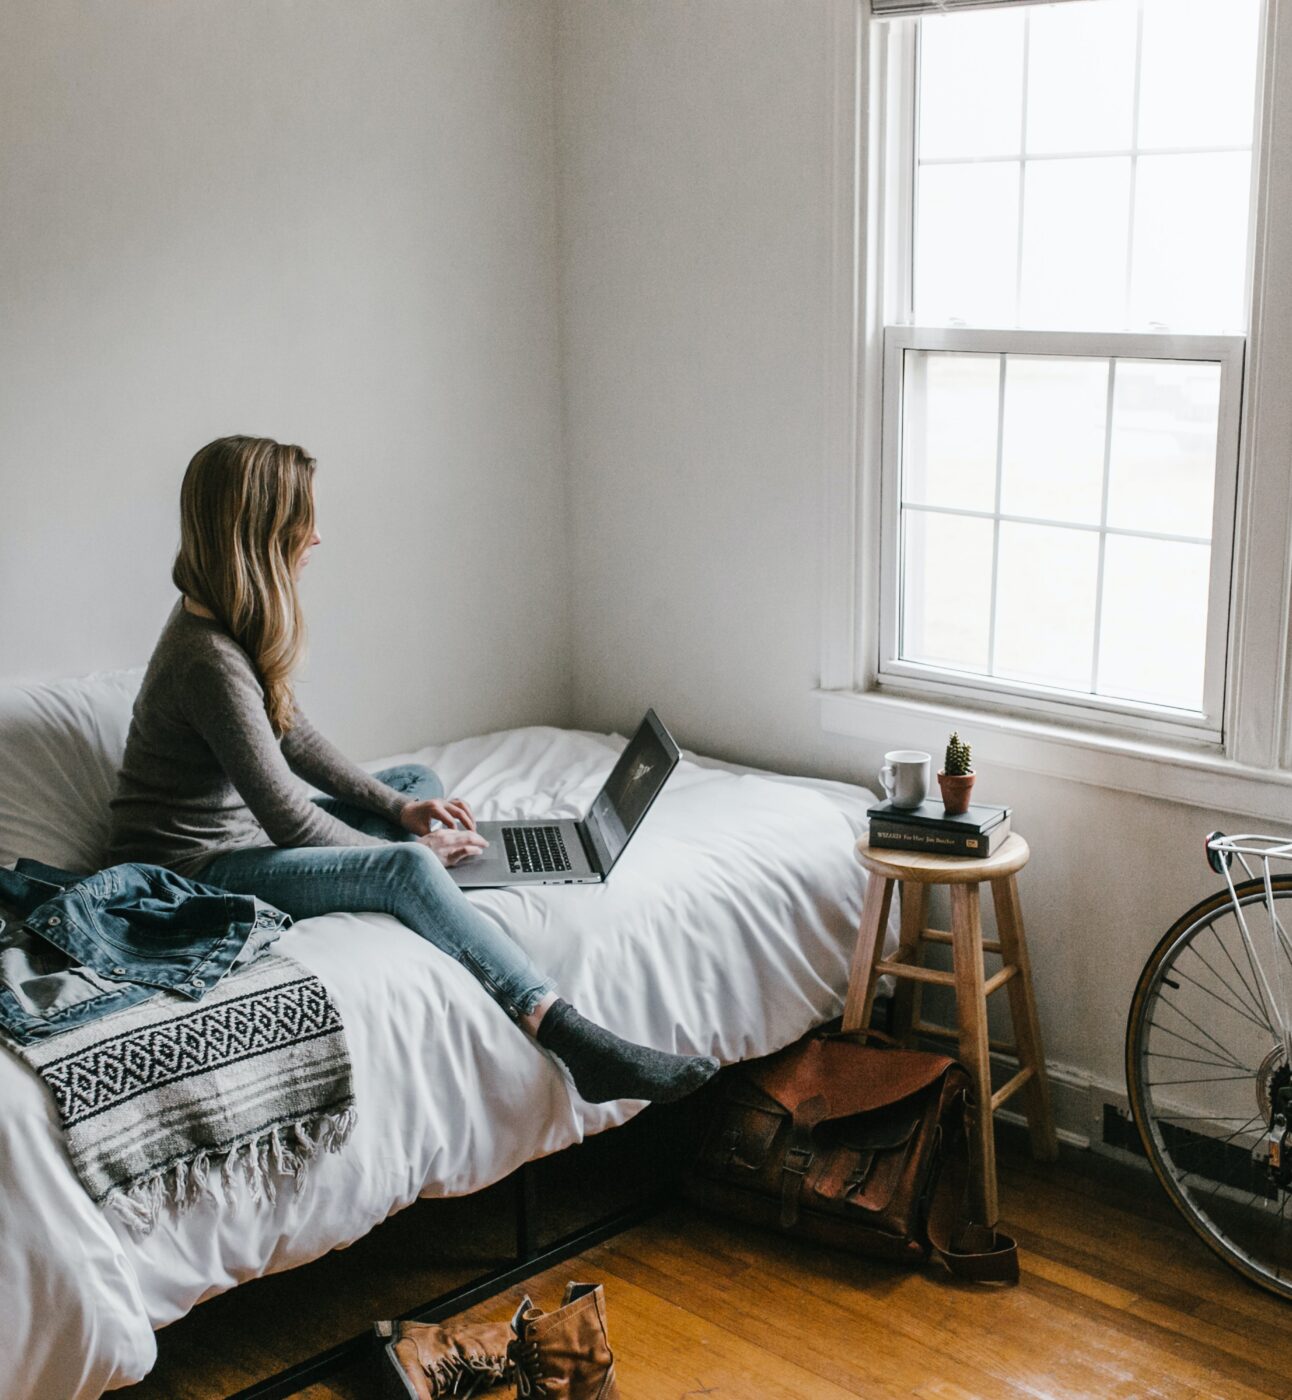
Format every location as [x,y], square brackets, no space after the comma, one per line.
[869,950]
[1027,1028]
[906,999]
[971,1016]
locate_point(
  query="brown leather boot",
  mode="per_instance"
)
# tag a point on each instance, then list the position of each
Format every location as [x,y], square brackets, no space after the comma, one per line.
[421,1361]
[566,1353]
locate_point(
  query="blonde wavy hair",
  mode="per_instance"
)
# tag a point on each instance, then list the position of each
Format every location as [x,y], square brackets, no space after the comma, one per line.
[246,513]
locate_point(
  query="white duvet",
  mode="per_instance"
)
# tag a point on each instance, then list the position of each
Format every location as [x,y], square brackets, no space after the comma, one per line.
[725,929]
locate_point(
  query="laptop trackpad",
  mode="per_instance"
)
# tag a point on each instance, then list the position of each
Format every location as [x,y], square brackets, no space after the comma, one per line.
[487,868]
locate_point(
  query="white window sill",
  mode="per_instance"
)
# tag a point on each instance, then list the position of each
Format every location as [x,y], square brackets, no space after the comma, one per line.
[1126,765]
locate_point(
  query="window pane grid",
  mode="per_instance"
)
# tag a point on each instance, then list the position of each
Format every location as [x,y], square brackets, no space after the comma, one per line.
[1019,245]
[1103,525]
[1067,232]
[1128,285]
[995,534]
[1007,519]
[1049,590]
[1095,153]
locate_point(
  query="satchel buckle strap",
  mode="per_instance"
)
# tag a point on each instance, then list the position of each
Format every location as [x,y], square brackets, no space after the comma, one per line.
[730,1145]
[793,1170]
[799,1155]
[860,1173]
[798,1160]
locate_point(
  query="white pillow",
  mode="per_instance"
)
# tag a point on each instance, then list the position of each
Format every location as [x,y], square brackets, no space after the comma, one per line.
[61,745]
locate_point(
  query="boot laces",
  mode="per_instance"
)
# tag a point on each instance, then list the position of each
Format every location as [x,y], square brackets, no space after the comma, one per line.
[528,1375]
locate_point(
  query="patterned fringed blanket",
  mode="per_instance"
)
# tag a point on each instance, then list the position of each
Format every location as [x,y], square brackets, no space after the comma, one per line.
[166,1101]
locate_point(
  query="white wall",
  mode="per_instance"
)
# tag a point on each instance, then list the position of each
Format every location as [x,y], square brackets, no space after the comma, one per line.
[336,223]
[693,146]
[323,221]
[694,141]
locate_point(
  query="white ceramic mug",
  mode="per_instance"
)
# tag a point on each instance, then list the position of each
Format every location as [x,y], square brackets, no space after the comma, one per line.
[905,776]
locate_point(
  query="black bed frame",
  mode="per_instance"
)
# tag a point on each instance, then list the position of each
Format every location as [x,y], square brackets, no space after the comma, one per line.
[665,1133]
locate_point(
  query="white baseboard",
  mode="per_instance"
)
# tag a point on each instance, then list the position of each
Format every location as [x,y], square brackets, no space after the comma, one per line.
[1080,1103]
[1078,1107]
[1078,1099]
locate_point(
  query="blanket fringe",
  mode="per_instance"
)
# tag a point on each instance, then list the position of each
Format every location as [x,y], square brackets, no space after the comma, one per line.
[255,1165]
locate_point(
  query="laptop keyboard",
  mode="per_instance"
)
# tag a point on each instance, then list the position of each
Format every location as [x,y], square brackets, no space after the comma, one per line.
[533,850]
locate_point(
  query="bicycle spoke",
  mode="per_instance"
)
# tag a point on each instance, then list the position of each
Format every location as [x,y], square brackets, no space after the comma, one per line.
[1222,1079]
[1184,1016]
[1254,991]
[1246,1015]
[1214,1144]
[1247,1204]
[1241,1004]
[1224,1141]
[1256,974]
[1201,1118]
[1191,1059]
[1166,1030]
[1199,1155]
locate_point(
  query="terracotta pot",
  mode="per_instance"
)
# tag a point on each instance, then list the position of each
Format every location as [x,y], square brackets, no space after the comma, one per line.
[956,788]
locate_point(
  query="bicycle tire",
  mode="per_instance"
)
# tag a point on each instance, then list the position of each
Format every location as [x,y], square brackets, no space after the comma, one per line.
[1170,947]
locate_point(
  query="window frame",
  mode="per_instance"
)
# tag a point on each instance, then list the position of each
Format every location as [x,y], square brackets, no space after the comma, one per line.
[916,678]
[900,100]
[1252,773]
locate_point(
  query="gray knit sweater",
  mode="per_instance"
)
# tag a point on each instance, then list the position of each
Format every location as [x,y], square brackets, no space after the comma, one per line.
[203,772]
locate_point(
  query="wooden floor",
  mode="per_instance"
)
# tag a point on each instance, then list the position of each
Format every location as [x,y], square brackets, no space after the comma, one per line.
[1117,1299]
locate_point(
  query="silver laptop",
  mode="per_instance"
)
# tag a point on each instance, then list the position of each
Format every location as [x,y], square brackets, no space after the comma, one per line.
[560,851]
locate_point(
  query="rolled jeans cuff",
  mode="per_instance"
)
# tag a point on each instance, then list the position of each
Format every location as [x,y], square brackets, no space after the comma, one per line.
[529,1000]
[516,1001]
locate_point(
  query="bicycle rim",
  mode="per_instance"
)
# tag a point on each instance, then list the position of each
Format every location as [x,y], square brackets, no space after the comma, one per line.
[1203,1057]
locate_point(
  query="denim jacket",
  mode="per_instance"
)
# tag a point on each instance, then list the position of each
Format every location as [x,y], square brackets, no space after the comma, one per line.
[88,945]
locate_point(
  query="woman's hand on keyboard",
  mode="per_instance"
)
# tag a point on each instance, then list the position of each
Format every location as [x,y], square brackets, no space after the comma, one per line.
[418,817]
[452,844]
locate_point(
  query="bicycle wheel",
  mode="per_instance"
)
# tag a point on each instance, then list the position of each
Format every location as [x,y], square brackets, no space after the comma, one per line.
[1204,1063]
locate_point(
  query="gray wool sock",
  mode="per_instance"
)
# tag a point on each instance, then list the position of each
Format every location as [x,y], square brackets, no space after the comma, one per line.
[605,1067]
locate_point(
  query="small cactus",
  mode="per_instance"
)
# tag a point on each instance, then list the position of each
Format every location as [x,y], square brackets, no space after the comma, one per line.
[959,760]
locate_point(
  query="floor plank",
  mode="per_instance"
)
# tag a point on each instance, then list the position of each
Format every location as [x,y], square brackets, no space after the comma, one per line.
[1118,1299]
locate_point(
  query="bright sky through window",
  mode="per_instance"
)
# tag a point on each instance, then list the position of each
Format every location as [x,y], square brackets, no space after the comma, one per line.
[1079,167]
[1086,166]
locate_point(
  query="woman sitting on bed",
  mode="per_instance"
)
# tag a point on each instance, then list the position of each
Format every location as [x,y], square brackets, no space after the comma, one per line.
[207,786]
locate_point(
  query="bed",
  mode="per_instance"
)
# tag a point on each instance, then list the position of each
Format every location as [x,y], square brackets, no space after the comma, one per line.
[725,929]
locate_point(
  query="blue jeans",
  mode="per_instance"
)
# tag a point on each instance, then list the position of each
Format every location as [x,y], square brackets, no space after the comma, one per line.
[403,878]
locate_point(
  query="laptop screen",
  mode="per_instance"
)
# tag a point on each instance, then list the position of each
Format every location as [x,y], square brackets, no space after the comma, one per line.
[633,784]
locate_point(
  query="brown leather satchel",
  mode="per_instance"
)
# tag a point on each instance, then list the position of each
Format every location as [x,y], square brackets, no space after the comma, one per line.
[850,1145]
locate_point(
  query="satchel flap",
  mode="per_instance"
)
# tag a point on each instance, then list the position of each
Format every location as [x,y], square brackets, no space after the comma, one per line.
[854,1078]
[744,1132]
[864,1157]
[881,1131]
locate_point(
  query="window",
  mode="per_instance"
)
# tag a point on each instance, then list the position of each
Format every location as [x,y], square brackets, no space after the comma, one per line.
[1067,206]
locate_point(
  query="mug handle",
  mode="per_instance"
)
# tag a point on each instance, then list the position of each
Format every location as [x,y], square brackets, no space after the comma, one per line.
[888,780]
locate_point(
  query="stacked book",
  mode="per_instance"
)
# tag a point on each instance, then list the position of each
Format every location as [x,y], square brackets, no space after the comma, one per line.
[928,828]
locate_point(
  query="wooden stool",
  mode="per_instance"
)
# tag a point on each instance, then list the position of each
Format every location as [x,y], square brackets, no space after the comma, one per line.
[916,871]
